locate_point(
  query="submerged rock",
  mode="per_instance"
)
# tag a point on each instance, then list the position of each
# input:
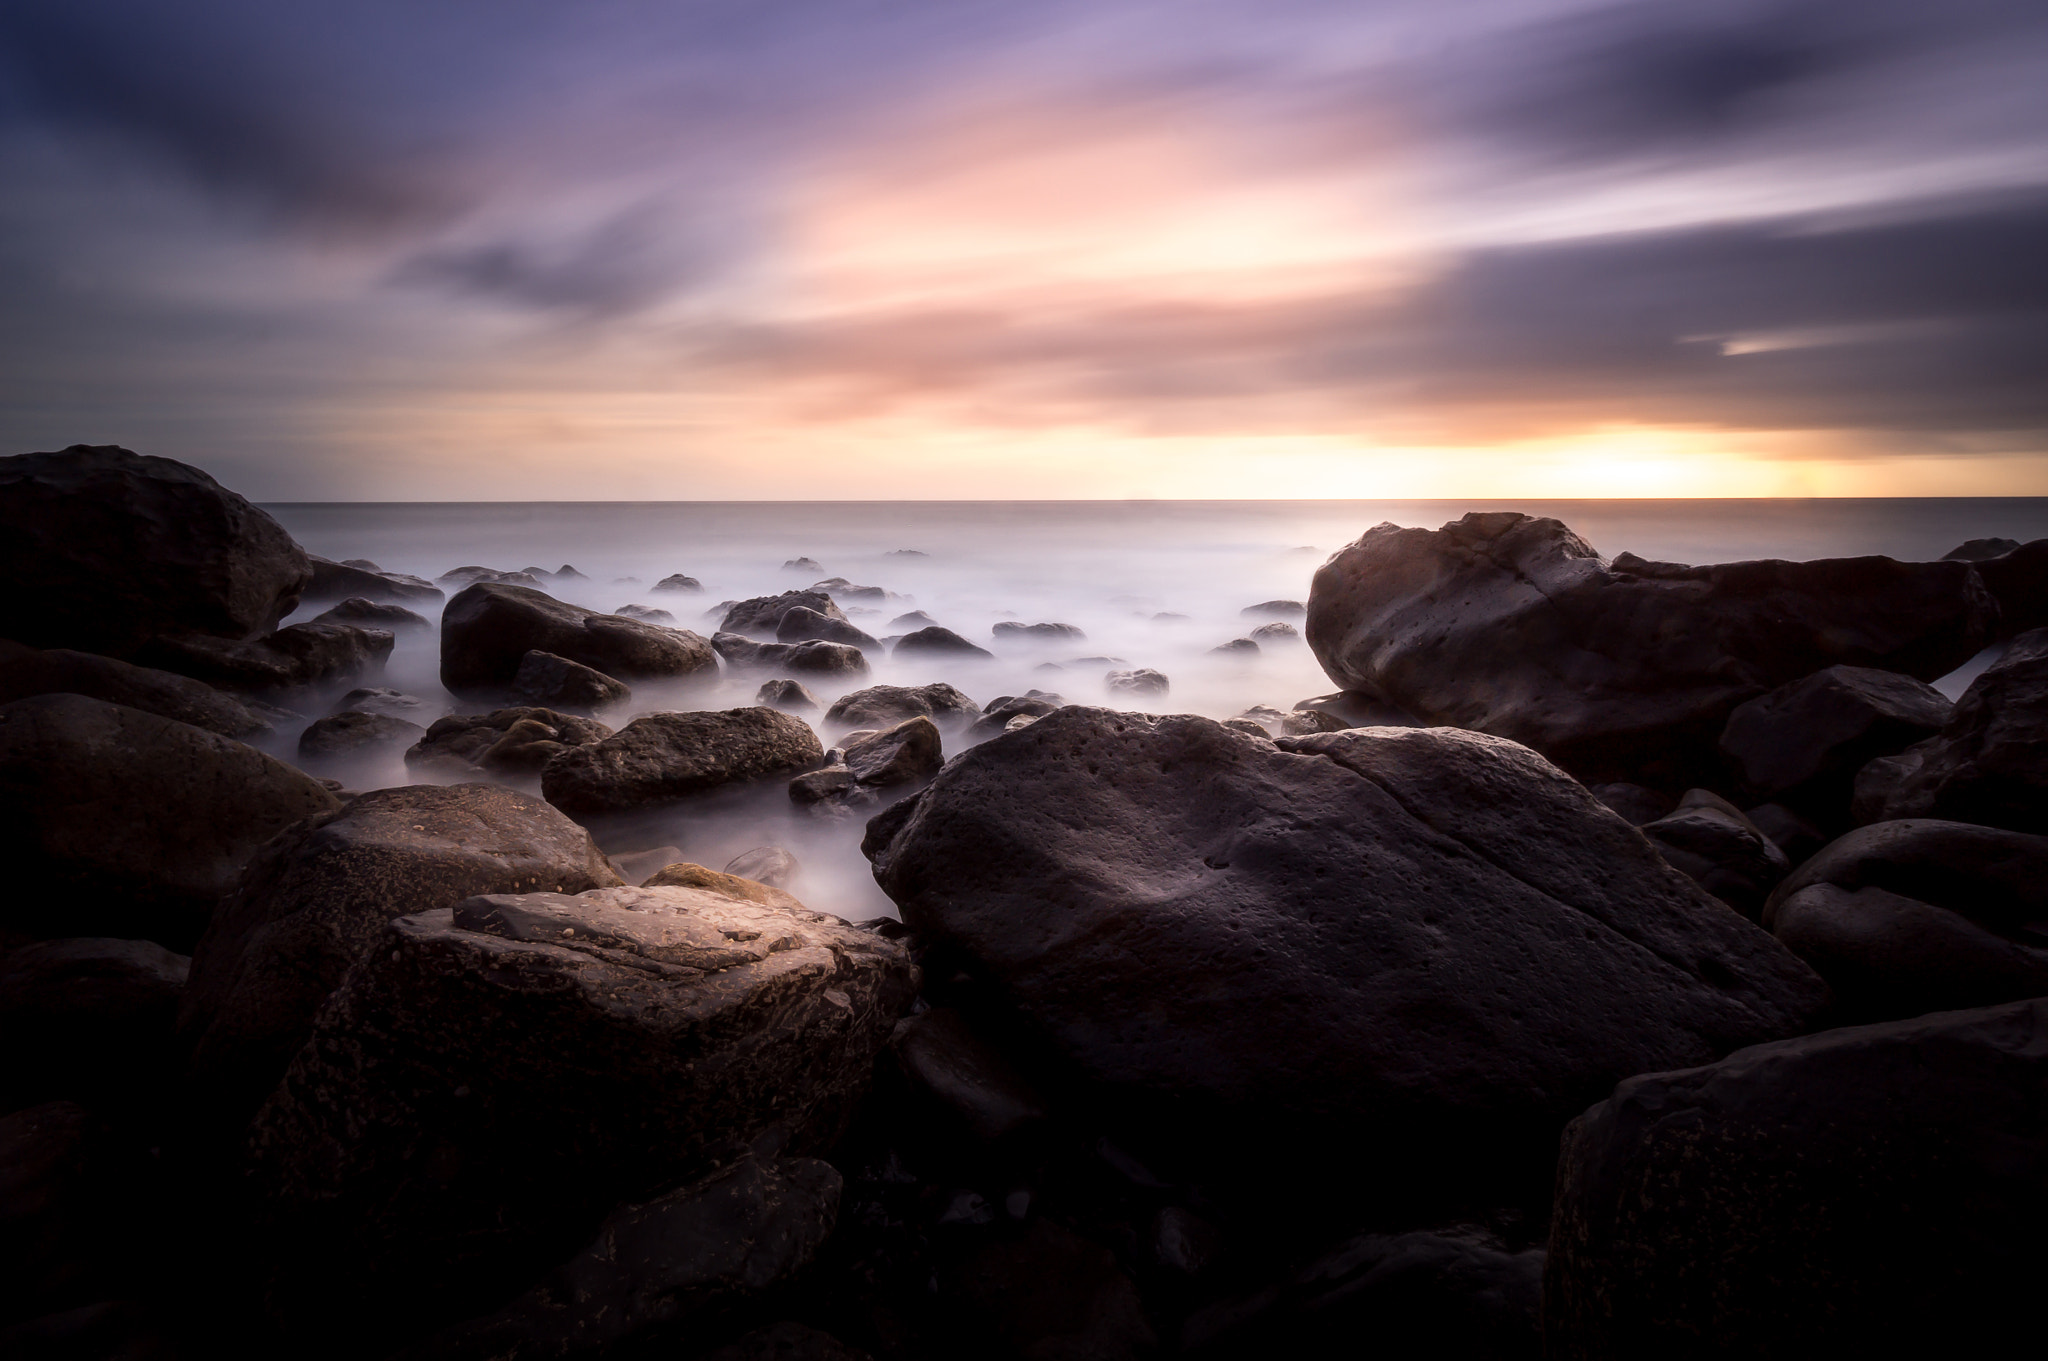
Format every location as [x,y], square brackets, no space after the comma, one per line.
[803,624]
[353,734]
[788,695]
[365,613]
[658,758]
[679,582]
[1142,681]
[813,658]
[933,641]
[347,581]
[488,629]
[770,865]
[1012,631]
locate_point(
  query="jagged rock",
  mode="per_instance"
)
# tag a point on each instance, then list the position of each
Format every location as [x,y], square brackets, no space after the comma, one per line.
[313,901]
[933,641]
[1711,842]
[1274,609]
[788,695]
[1010,629]
[381,699]
[294,658]
[488,629]
[26,671]
[115,822]
[679,582]
[504,741]
[558,683]
[105,551]
[658,758]
[1625,670]
[1143,681]
[348,580]
[883,705]
[1803,743]
[88,1020]
[770,865]
[801,624]
[353,734]
[1203,930]
[904,754]
[812,658]
[365,613]
[762,615]
[1869,1191]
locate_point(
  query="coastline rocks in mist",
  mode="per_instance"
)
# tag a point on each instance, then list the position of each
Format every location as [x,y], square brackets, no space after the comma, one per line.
[706,1246]
[88,1020]
[659,758]
[558,683]
[815,658]
[1627,670]
[839,588]
[1711,842]
[488,629]
[870,763]
[26,671]
[1429,947]
[881,706]
[1989,764]
[933,641]
[105,550]
[521,740]
[1274,609]
[647,614]
[1903,918]
[312,902]
[916,619]
[1009,630]
[679,582]
[1360,711]
[788,695]
[770,865]
[1236,647]
[115,822]
[995,719]
[344,581]
[802,624]
[1273,722]
[1802,744]
[549,1056]
[802,565]
[1143,681]
[294,658]
[1875,1190]
[365,613]
[761,615]
[459,578]
[353,734]
[1276,632]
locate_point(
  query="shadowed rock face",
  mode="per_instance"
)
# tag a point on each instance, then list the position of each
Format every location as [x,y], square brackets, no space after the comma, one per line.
[489,628]
[1803,743]
[475,746]
[880,706]
[658,758]
[314,654]
[104,550]
[25,671]
[762,615]
[1625,670]
[1424,945]
[344,581]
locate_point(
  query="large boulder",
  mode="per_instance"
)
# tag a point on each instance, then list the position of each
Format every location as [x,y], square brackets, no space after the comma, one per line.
[2018,578]
[294,658]
[488,628]
[353,736]
[1908,917]
[761,617]
[1427,947]
[503,742]
[802,624]
[1715,845]
[368,614]
[114,822]
[815,658]
[881,706]
[88,1020]
[343,581]
[658,758]
[1622,670]
[1872,1191]
[26,671]
[491,1079]
[558,683]
[1802,744]
[314,900]
[104,550]
[934,641]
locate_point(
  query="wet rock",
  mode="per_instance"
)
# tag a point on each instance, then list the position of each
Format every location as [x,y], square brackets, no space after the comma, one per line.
[462,577]
[647,614]
[1143,681]
[1638,805]
[1625,670]
[353,734]
[787,695]
[543,1057]
[1009,630]
[933,641]
[916,619]
[881,706]
[26,671]
[88,1020]
[312,902]
[345,581]
[761,616]
[770,865]
[1708,839]
[839,588]
[831,789]
[380,699]
[488,629]
[504,741]
[679,582]
[1236,647]
[1976,550]
[944,1060]
[658,758]
[1788,1200]
[558,683]
[295,658]
[105,551]
[1803,743]
[365,613]
[1276,633]
[1249,727]
[802,624]
[1274,609]
[1904,918]
[115,822]
[1458,928]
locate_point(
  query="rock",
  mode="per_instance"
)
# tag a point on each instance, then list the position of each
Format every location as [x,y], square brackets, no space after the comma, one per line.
[916,619]
[1976,550]
[381,699]
[802,565]
[788,1341]
[1011,631]
[1708,839]
[1788,831]
[114,822]
[295,658]
[904,754]
[1625,670]
[105,551]
[831,789]
[346,581]
[996,718]
[54,1235]
[787,695]
[1989,764]
[2018,580]
[1051,1293]
[1869,1191]
[647,614]
[488,629]
[1249,727]
[1274,609]
[679,582]
[1143,681]
[1237,647]
[88,1020]
[1202,930]
[1637,805]
[812,658]
[1904,918]
[762,615]
[365,613]
[504,741]
[801,624]
[567,573]
[711,1244]
[659,758]
[352,735]
[933,641]
[558,683]
[881,706]
[770,865]
[905,553]
[952,1067]
[549,1056]
[1803,743]
[26,671]
[460,577]
[1360,711]
[1276,633]
[734,886]
[839,588]
[637,867]
[313,901]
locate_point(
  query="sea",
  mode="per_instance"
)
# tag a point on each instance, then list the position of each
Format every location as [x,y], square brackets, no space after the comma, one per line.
[1154,584]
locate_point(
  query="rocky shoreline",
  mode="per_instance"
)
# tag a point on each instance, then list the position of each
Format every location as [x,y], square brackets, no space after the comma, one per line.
[1629,958]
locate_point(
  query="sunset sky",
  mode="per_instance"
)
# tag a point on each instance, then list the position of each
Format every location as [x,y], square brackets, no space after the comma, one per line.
[842,249]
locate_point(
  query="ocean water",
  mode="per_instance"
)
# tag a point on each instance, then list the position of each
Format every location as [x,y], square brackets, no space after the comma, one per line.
[1151,584]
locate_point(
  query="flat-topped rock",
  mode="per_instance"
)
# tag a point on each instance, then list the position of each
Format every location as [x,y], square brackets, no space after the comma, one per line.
[488,629]
[659,758]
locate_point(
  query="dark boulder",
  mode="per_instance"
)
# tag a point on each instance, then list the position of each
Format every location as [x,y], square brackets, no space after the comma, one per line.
[382,699]
[558,683]
[802,565]
[88,1020]
[1870,1191]
[504,741]
[1904,918]
[120,823]
[1625,670]
[1009,630]
[1711,842]
[1803,743]
[1976,550]
[26,671]
[1236,647]
[1274,609]
[904,754]
[1276,633]
[802,624]
[313,901]
[916,619]
[679,582]
[365,613]
[788,695]
[933,641]
[959,1073]
[300,657]
[2018,580]
[1427,946]
[762,615]
[881,706]
[1791,833]
[815,658]
[488,629]
[1140,682]
[1361,711]
[345,581]
[1637,804]
[839,588]
[647,614]
[659,758]
[354,735]
[104,550]
[995,719]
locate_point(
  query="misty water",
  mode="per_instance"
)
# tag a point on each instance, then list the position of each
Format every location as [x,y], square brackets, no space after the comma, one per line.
[1150,584]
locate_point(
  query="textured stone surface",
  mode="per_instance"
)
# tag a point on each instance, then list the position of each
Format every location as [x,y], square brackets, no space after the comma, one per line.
[1803,743]
[26,671]
[880,706]
[934,641]
[659,758]
[365,613]
[558,683]
[294,658]
[489,628]
[762,615]
[353,733]
[518,740]
[815,658]
[802,624]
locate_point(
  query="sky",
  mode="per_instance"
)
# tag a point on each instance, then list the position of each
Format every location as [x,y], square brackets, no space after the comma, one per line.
[851,249]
